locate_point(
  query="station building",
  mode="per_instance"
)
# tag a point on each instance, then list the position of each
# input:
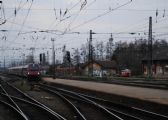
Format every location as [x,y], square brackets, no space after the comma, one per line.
[159,64]
[100,68]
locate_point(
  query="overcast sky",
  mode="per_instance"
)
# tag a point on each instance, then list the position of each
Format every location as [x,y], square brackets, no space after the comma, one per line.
[25,18]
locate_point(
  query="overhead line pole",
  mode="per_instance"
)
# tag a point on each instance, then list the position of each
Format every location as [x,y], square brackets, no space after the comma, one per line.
[4,64]
[91,53]
[150,48]
[53,50]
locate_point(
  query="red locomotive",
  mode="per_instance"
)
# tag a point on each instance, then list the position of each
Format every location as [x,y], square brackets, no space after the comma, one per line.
[30,71]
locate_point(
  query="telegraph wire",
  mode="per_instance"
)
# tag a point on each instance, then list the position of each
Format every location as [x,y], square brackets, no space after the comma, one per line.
[22,25]
[143,25]
[16,10]
[26,17]
[70,15]
[94,9]
[61,20]
[101,15]
[83,6]
[2,13]
[25,26]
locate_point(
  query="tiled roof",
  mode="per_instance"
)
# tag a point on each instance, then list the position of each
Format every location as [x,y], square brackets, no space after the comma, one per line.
[103,64]
[107,64]
[159,54]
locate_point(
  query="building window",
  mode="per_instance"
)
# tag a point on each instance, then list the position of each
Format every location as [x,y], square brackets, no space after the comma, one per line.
[159,70]
[166,69]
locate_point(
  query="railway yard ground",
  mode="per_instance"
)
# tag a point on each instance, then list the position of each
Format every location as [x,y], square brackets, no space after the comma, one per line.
[148,94]
[65,99]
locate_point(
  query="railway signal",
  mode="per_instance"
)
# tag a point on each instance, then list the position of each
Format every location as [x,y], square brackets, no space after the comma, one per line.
[68,56]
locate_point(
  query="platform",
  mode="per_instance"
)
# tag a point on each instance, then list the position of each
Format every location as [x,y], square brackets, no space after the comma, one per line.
[147,94]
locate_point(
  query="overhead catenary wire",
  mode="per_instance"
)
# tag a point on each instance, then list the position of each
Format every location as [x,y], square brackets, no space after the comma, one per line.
[22,25]
[101,15]
[26,17]
[16,10]
[61,20]
[81,9]
[3,18]
[142,24]
[92,9]
[48,32]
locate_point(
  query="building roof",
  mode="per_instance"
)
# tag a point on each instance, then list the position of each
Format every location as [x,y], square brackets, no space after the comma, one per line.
[161,54]
[158,54]
[103,64]
[64,65]
[107,64]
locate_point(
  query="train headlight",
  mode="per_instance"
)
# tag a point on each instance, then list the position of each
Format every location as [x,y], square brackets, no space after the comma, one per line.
[38,73]
[28,73]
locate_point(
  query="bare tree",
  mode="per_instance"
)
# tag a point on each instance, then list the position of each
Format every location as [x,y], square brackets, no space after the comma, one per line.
[84,52]
[76,57]
[99,51]
[109,48]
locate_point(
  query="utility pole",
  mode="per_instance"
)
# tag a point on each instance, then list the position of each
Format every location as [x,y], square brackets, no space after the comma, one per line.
[23,59]
[4,64]
[32,49]
[47,58]
[111,46]
[53,50]
[150,49]
[90,53]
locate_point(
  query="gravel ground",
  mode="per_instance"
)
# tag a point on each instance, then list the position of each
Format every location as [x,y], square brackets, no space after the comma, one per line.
[154,107]
[56,104]
[53,102]
[7,114]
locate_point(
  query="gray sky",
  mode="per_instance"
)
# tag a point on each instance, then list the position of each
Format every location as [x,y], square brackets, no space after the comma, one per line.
[45,15]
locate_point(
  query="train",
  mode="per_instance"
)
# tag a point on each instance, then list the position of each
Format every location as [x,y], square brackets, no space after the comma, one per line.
[125,73]
[30,71]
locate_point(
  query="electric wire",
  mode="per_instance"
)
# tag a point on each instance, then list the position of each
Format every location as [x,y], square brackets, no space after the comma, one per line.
[100,15]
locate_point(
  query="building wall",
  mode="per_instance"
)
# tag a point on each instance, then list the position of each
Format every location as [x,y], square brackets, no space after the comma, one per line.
[159,69]
[99,71]
[166,70]
[96,68]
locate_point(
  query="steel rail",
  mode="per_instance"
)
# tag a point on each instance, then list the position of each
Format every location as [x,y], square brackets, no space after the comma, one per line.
[31,103]
[149,113]
[13,108]
[80,115]
[115,111]
[37,102]
[13,102]
[93,103]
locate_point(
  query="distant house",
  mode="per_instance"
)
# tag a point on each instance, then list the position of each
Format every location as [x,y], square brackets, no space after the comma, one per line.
[159,63]
[100,68]
[1,69]
[62,69]
[44,69]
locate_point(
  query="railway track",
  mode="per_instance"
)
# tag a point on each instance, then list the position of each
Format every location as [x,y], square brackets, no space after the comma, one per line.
[28,107]
[121,111]
[147,84]
[91,112]
[82,106]
[7,109]
[75,116]
[90,109]
[156,84]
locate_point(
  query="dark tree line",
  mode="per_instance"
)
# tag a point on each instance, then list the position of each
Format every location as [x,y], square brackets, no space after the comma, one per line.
[130,55]
[101,51]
